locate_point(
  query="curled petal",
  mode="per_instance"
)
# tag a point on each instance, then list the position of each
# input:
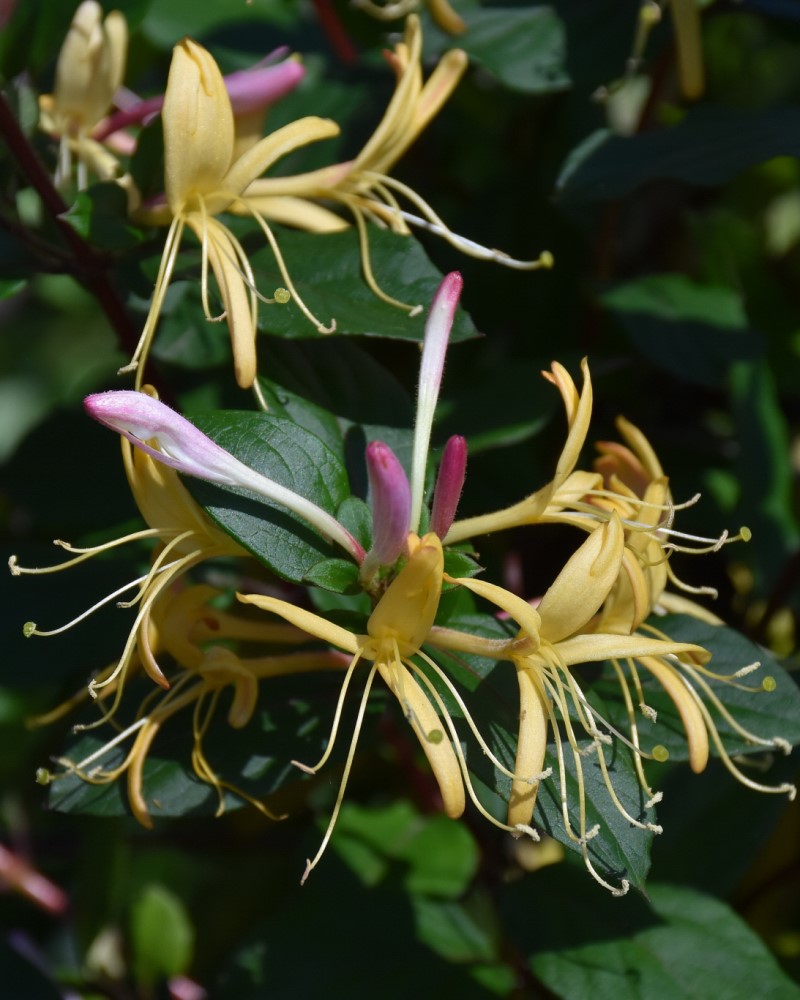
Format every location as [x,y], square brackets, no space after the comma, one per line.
[198,126]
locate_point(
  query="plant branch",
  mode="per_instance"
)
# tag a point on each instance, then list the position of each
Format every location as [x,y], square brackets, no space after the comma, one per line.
[89,267]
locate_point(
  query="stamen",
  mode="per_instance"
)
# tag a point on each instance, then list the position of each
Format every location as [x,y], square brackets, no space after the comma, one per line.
[284,272]
[336,719]
[30,628]
[311,864]
[168,258]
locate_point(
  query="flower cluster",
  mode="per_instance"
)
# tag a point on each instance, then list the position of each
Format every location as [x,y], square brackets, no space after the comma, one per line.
[218,616]
[598,609]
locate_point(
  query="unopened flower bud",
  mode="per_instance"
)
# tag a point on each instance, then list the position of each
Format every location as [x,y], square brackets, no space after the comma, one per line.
[449,484]
[391,504]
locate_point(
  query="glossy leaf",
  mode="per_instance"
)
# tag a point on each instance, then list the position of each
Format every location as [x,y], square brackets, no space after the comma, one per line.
[709,146]
[293,457]
[326,270]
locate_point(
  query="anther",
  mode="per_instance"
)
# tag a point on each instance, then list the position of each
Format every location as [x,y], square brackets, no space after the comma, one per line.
[528,831]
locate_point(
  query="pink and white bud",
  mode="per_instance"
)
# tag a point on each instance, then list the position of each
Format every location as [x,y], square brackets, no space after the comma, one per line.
[434,349]
[249,90]
[142,419]
[259,86]
[449,483]
[391,504]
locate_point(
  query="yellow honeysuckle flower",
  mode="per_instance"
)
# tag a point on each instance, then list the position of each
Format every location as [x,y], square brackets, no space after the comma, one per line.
[183,625]
[549,644]
[90,69]
[397,628]
[565,483]
[363,185]
[204,178]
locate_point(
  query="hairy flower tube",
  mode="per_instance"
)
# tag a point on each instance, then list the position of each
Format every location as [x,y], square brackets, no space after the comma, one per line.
[203,178]
[90,68]
[197,637]
[180,445]
[363,185]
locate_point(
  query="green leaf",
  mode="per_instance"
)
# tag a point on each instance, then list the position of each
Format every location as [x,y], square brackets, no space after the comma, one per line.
[694,331]
[338,375]
[337,575]
[291,456]
[689,947]
[162,936]
[525,48]
[327,273]
[439,855]
[709,146]
[100,216]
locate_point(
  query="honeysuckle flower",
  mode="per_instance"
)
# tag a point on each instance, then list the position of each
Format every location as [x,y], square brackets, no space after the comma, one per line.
[181,446]
[441,12]
[203,178]
[197,636]
[90,68]
[363,185]
[186,536]
[565,483]
[551,642]
[400,623]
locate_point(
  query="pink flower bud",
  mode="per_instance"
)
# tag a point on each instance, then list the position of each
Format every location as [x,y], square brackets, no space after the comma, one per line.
[391,504]
[449,484]
[434,349]
[249,90]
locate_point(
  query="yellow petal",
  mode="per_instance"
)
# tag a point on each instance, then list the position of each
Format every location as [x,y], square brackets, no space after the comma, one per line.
[431,734]
[531,747]
[306,620]
[198,126]
[299,213]
[270,149]
[407,610]
[592,648]
[584,582]
[447,19]
[691,716]
[78,61]
[522,613]
[237,297]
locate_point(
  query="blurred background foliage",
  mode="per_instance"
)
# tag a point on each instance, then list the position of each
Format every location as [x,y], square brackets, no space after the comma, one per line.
[675,226]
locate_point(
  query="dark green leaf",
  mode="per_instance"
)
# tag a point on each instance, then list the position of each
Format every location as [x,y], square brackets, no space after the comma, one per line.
[695,947]
[100,216]
[694,331]
[525,48]
[293,457]
[326,271]
[708,147]
[337,375]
